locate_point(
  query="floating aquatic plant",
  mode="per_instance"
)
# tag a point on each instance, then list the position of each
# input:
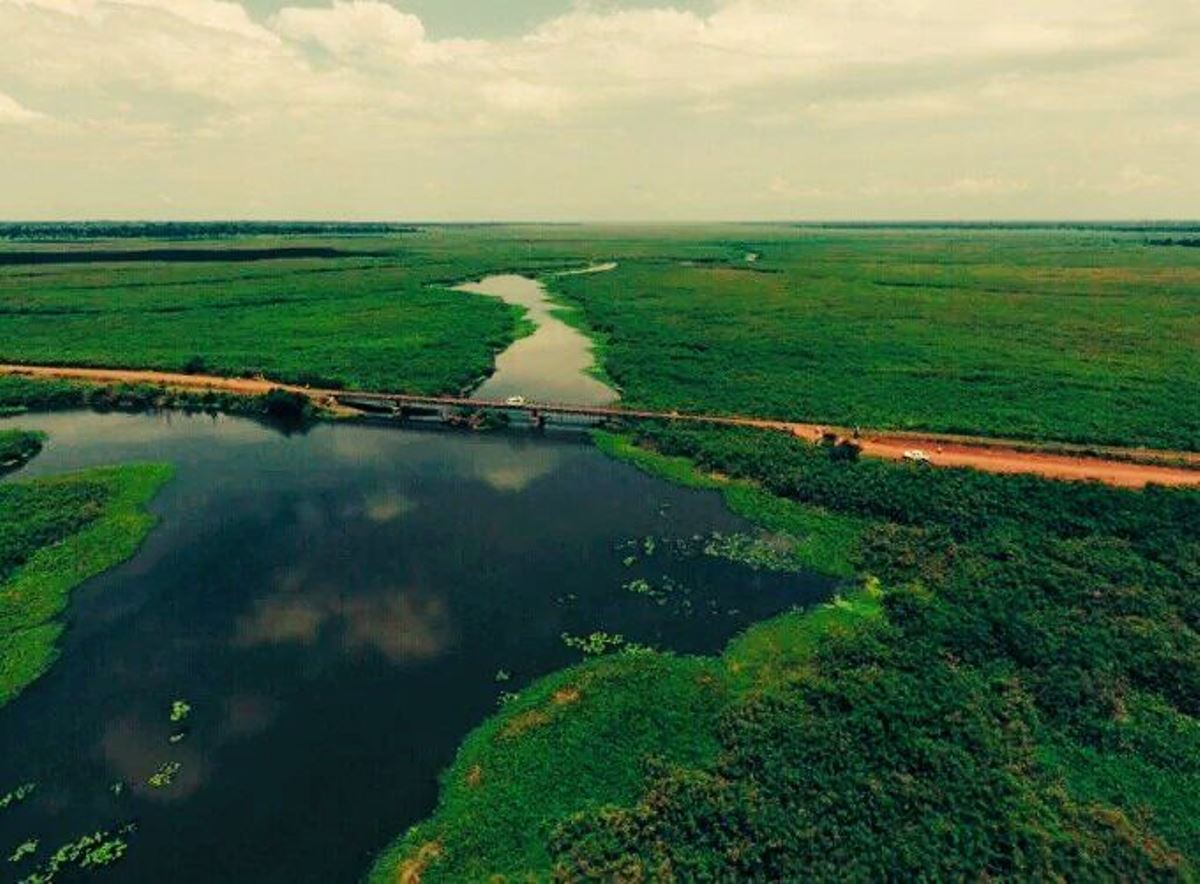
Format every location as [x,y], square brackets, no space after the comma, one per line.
[26,848]
[165,775]
[17,795]
[595,644]
[180,710]
[92,851]
[770,552]
[640,586]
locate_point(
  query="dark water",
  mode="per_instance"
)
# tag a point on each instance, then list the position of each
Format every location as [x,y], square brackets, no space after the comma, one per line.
[335,607]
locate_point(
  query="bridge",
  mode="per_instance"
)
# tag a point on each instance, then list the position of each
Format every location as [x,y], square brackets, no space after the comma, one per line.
[537,412]
[1128,467]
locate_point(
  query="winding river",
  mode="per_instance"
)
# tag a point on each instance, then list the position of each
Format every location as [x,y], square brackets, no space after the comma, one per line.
[339,607]
[555,362]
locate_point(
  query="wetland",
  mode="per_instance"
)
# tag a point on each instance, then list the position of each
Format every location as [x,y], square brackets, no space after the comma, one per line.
[333,611]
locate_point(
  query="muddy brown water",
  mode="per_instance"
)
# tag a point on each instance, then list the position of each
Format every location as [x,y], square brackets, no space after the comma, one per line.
[552,364]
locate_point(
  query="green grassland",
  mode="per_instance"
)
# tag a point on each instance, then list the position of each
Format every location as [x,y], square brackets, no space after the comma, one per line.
[1070,336]
[1020,702]
[354,323]
[1084,335]
[54,534]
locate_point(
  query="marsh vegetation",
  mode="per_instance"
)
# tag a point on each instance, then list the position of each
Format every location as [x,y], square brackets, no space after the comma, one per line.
[54,534]
[1005,686]
[1014,690]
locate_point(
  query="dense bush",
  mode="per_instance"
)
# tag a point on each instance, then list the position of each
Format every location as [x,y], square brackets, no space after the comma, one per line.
[1028,708]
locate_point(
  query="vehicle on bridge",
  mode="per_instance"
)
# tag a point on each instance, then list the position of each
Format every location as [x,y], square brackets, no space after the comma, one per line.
[516,400]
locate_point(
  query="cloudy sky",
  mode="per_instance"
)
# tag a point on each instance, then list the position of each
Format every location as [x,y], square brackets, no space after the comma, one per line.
[611,109]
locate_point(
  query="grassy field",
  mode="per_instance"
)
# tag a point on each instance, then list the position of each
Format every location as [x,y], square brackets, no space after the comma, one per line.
[1073,336]
[54,534]
[346,321]
[1020,702]
[1085,335]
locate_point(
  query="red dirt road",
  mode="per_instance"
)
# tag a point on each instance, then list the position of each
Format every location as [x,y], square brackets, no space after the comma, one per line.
[1127,468]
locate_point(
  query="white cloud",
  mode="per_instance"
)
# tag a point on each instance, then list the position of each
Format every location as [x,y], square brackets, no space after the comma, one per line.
[354,76]
[354,29]
[989,186]
[213,49]
[11,111]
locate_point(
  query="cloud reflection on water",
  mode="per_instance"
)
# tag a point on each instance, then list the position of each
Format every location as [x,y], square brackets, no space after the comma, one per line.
[404,625]
[134,745]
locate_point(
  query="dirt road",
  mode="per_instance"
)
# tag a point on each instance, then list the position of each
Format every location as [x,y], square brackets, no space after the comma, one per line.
[1124,468]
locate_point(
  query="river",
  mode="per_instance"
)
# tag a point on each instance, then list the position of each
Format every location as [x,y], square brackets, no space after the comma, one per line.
[554,363]
[336,606]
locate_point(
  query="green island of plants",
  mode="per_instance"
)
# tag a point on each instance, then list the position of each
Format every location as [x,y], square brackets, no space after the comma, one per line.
[55,533]
[1011,694]
[18,447]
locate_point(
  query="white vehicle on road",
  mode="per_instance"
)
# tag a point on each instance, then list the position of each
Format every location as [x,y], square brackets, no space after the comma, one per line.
[916,455]
[516,400]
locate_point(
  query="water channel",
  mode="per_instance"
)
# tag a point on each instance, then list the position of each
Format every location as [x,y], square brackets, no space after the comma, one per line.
[554,363]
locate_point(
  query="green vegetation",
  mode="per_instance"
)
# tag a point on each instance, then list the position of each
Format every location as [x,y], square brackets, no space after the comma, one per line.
[54,534]
[1020,702]
[537,760]
[1012,694]
[1061,335]
[1080,333]
[18,447]
[823,540]
[347,321]
[19,394]
[95,850]
[25,849]
[164,775]
[17,795]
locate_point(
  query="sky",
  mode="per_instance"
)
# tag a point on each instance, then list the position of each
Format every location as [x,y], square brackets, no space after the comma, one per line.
[608,110]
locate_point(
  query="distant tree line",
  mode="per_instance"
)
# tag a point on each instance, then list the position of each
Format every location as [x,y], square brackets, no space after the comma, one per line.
[1189,242]
[85,230]
[1117,226]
